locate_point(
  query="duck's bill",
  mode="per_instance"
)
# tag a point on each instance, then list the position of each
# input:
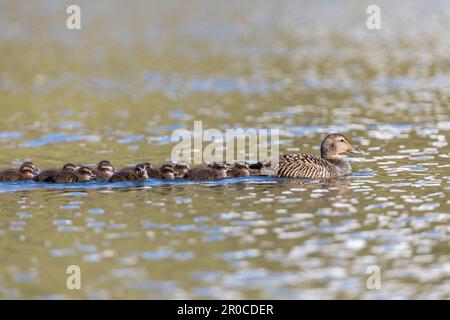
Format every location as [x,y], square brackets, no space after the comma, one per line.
[355,150]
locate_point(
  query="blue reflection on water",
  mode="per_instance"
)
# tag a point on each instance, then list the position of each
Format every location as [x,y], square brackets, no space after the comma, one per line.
[31,185]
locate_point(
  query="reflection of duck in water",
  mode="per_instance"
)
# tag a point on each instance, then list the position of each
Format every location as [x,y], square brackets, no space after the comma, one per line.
[239,169]
[211,172]
[139,173]
[49,175]
[27,171]
[330,164]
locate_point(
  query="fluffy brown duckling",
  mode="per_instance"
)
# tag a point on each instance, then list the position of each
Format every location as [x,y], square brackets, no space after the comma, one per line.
[331,163]
[139,173]
[239,169]
[166,171]
[27,171]
[81,174]
[213,171]
[147,166]
[181,169]
[50,174]
[104,171]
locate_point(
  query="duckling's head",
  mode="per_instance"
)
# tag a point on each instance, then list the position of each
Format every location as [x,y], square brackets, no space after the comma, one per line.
[30,165]
[335,145]
[106,168]
[147,166]
[141,170]
[70,167]
[104,163]
[28,170]
[167,171]
[218,166]
[85,174]
[241,165]
[181,168]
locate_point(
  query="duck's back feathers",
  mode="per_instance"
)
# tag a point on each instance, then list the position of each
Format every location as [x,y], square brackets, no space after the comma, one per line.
[64,177]
[10,175]
[47,175]
[204,173]
[126,175]
[305,166]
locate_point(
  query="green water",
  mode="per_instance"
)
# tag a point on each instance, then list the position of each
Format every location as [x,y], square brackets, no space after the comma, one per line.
[117,88]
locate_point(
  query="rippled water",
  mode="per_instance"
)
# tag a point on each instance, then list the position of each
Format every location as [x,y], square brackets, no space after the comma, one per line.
[118,88]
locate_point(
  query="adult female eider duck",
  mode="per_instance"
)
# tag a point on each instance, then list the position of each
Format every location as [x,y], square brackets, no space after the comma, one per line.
[331,163]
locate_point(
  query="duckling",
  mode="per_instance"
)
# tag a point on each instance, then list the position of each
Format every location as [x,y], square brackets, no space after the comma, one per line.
[331,164]
[104,170]
[181,169]
[27,171]
[81,174]
[212,172]
[147,166]
[239,169]
[166,171]
[50,174]
[138,174]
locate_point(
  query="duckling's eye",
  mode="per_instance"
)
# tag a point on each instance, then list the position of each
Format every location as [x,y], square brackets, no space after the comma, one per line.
[341,140]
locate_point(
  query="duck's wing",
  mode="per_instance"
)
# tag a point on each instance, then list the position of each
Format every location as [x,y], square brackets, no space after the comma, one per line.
[9,175]
[47,175]
[125,175]
[300,166]
[154,173]
[64,177]
[200,174]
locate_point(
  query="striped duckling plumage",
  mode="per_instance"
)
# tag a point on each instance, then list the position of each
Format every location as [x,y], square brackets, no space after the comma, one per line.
[331,163]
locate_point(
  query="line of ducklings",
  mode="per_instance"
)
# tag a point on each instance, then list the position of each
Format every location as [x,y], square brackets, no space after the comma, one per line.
[331,164]
[105,171]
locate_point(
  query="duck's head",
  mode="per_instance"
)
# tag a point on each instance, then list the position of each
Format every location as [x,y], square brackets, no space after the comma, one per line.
[218,166]
[181,168]
[70,167]
[242,165]
[85,174]
[29,170]
[141,170]
[104,163]
[335,145]
[147,166]
[107,168]
[167,171]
